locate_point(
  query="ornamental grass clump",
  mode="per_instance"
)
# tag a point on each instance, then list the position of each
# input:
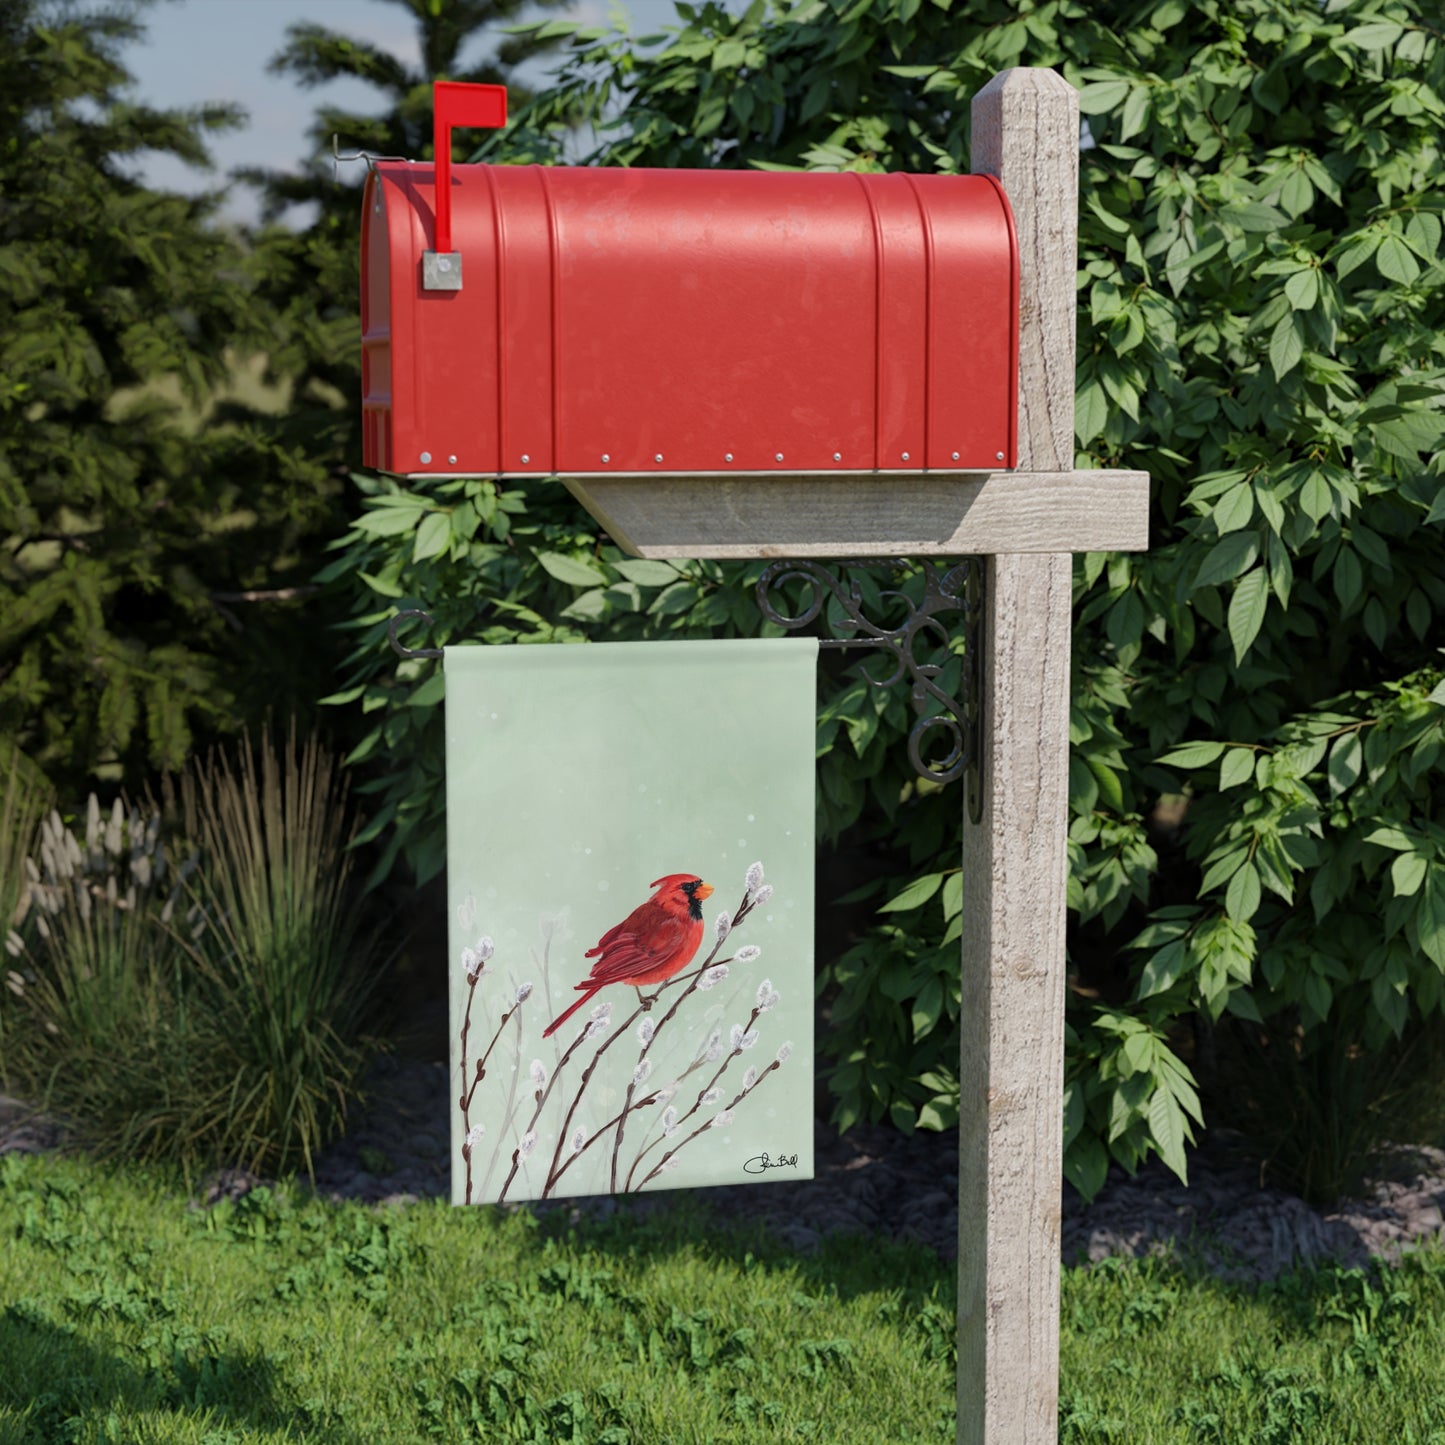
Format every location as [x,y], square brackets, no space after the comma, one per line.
[205,1013]
[97,1022]
[290,971]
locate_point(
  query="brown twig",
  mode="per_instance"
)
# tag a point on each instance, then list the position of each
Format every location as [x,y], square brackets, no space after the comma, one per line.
[743,909]
[701,1128]
[646,1103]
[541,1098]
[697,1103]
[553,1171]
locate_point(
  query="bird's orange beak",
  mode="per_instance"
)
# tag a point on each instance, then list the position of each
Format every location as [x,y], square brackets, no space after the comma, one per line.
[704,892]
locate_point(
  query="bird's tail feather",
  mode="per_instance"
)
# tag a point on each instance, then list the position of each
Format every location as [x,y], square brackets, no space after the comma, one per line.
[566,1014]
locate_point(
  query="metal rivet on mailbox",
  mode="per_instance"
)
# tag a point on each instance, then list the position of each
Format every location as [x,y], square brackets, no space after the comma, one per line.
[779,457]
[658,457]
[727,456]
[999,455]
[955,456]
[452,461]
[904,455]
[525,459]
[837,456]
[606,456]
[425,458]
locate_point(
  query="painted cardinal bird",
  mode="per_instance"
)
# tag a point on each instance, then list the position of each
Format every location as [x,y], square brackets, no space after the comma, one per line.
[656,940]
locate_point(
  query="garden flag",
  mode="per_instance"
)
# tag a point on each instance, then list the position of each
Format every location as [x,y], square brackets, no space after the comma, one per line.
[630,881]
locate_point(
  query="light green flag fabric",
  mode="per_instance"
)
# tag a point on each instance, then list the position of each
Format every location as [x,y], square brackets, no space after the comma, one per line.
[630,830]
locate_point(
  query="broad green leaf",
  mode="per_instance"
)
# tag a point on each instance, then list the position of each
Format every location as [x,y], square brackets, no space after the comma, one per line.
[1166,1125]
[1377,35]
[1234,509]
[1317,497]
[1086,1165]
[1246,611]
[571,570]
[1407,873]
[1430,917]
[646,572]
[1346,760]
[1303,289]
[1102,95]
[1396,262]
[916,893]
[1236,767]
[952,896]
[927,1008]
[430,693]
[1163,969]
[1193,755]
[433,537]
[1228,557]
[1110,788]
[387,521]
[1138,1051]
[1241,898]
[1091,412]
[1286,346]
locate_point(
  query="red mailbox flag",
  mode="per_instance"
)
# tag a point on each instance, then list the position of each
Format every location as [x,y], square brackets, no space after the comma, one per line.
[457,104]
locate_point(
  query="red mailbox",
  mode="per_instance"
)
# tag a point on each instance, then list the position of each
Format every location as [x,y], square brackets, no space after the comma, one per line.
[579,320]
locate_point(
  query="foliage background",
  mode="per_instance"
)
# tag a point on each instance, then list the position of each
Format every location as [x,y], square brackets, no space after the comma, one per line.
[1255,839]
[1258,853]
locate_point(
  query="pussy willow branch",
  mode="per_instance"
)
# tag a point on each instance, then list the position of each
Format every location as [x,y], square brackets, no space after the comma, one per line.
[469,1093]
[553,1171]
[646,1103]
[697,1103]
[482,1062]
[703,1128]
[541,1097]
[466,1099]
[507,1111]
[743,909]
[648,1147]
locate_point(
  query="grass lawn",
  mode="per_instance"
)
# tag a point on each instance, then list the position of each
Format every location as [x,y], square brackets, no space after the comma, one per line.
[126,1316]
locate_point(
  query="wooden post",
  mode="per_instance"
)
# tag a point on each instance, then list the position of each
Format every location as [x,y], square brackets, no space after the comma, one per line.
[1015,860]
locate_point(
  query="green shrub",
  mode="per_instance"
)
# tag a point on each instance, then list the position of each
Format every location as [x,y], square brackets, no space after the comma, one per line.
[1262,305]
[205,1013]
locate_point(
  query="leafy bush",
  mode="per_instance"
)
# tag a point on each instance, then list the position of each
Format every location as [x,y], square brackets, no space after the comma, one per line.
[204,1013]
[1257,724]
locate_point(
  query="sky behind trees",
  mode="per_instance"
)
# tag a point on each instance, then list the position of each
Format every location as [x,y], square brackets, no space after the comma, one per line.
[217,50]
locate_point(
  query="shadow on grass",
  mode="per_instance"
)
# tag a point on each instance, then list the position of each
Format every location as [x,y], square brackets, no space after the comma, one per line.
[845,1265]
[53,1380]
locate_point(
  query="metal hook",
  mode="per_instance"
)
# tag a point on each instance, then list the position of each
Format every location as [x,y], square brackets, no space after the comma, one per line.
[410,652]
[370,157]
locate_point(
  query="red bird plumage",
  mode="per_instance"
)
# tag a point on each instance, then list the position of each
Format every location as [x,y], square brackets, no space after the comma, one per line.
[656,940]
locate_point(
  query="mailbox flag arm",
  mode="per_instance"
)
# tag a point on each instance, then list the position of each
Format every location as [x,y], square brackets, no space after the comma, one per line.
[454,104]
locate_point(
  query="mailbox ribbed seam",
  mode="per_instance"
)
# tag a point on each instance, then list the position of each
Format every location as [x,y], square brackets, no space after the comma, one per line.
[498,270]
[926,222]
[554,258]
[877,318]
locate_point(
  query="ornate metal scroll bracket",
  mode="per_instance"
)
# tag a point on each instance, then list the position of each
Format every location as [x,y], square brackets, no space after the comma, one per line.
[401,649]
[955,588]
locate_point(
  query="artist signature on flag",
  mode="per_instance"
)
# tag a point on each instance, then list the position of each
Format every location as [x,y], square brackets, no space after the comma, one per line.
[761,1163]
